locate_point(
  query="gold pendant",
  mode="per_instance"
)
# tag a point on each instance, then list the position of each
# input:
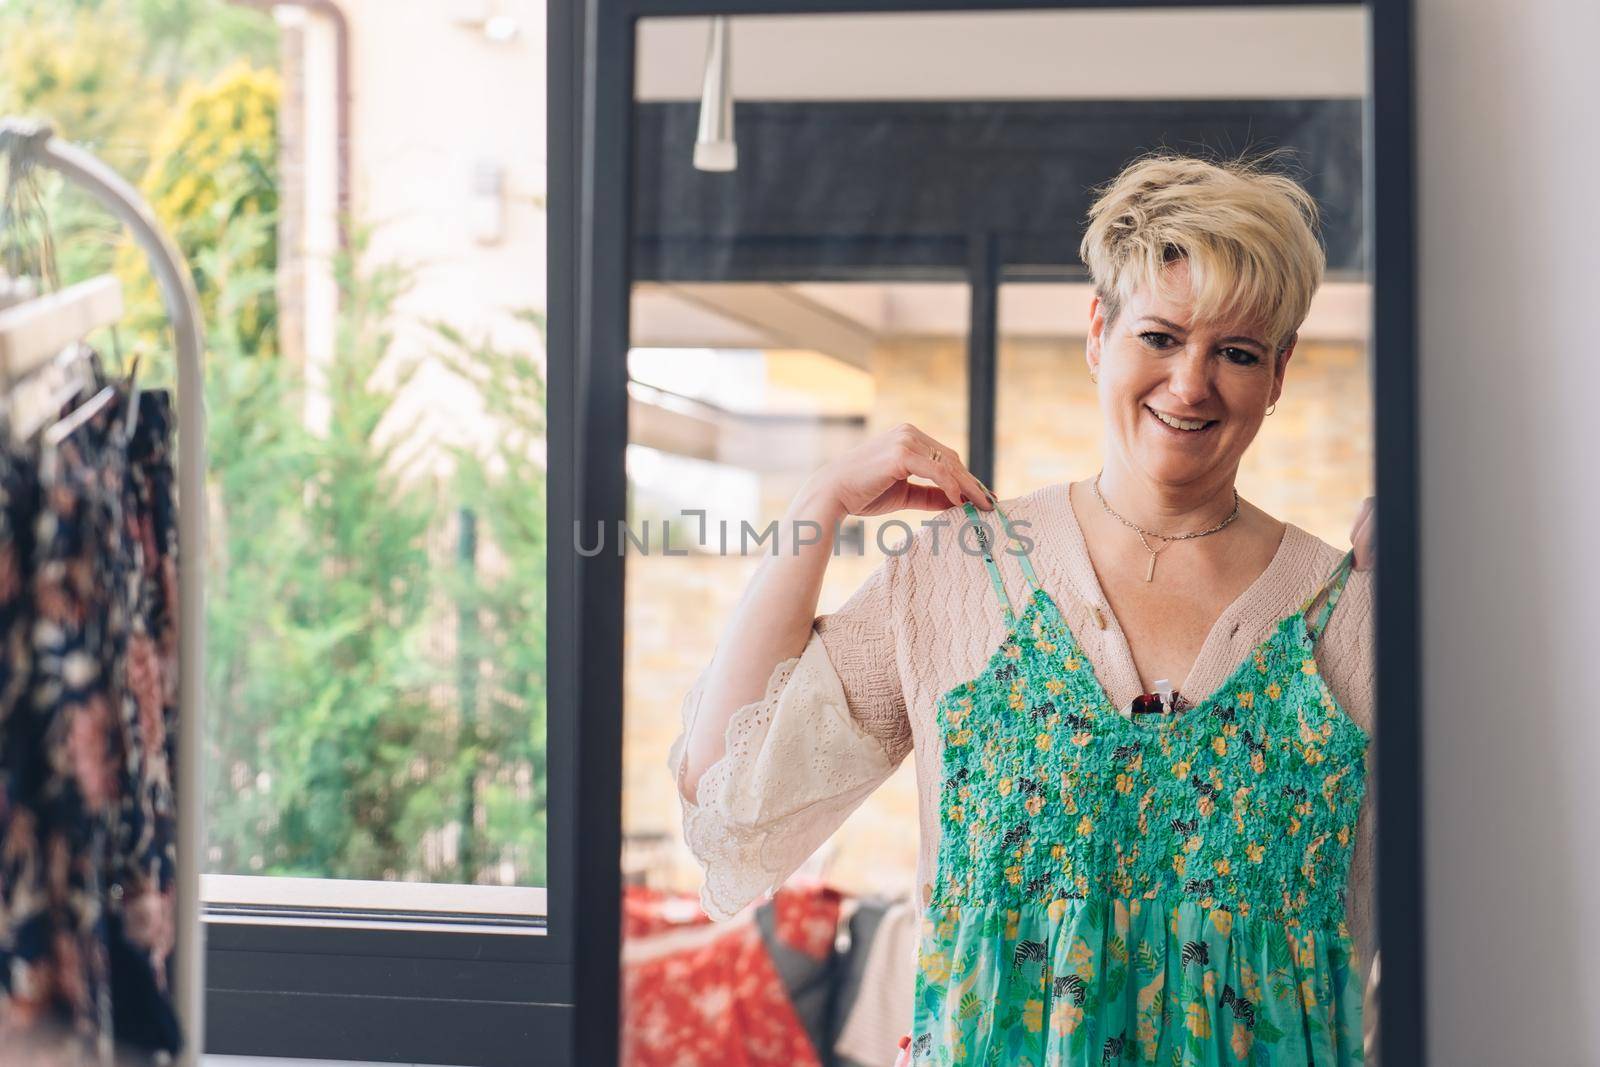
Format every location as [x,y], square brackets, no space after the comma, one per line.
[1150,571]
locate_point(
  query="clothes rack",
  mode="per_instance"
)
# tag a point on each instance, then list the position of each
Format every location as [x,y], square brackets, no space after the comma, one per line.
[36,142]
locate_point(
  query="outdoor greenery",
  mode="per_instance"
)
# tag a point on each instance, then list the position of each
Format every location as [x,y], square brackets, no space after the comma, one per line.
[376,632]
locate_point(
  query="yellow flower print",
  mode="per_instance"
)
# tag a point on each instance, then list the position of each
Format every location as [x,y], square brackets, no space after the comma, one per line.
[1327,730]
[1124,783]
[1057,908]
[1308,994]
[1251,983]
[1004,786]
[1033,804]
[1198,1020]
[1178,863]
[1081,958]
[1085,827]
[1119,917]
[1308,667]
[1305,731]
[1243,1040]
[1219,745]
[1033,1015]
[1147,1038]
[1255,852]
[1274,690]
[1011,922]
[1013,651]
[1057,851]
[962,737]
[1344,835]
[936,966]
[1193,844]
[1207,806]
[1305,950]
[1071,663]
[1258,763]
[1208,983]
[1014,874]
[1247,698]
[1065,1017]
[1222,865]
[1054,686]
[957,813]
[1042,742]
[1181,769]
[1222,920]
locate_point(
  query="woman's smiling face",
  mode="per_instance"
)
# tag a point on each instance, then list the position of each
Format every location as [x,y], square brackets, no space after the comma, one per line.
[1182,399]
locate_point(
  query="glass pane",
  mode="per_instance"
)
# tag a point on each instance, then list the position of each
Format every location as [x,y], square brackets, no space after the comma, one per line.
[369,251]
[378,611]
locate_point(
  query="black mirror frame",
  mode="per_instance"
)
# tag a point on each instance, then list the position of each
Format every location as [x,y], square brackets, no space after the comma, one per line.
[600,308]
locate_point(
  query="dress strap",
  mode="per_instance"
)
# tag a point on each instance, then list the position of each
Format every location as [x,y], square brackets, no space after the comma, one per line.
[1333,586]
[995,579]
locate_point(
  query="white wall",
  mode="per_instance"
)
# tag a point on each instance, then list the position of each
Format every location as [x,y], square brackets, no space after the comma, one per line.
[1510,258]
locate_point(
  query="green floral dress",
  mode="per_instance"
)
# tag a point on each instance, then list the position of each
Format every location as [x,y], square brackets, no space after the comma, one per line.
[1112,890]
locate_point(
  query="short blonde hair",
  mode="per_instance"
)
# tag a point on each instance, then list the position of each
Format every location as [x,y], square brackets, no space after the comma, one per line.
[1249,236]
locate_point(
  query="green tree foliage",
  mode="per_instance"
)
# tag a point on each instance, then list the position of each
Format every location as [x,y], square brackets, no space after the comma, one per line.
[214,168]
[367,688]
[501,755]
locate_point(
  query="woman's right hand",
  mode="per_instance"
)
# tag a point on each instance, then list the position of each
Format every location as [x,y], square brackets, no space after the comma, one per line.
[873,477]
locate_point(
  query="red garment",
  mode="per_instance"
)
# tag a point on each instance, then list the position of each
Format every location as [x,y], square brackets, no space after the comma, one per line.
[719,999]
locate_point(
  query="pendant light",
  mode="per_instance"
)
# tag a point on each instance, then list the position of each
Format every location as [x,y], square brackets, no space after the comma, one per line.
[714,148]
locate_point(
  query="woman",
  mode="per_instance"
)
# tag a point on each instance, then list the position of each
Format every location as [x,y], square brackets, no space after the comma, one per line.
[1108,871]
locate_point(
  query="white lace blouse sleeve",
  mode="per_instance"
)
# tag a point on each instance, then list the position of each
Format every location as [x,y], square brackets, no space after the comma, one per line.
[796,765]
[830,728]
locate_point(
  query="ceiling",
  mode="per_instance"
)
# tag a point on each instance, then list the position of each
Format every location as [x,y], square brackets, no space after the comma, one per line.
[1221,53]
[846,320]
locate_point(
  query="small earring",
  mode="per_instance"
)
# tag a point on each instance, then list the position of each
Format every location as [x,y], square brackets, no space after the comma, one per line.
[1093,377]
[1273,408]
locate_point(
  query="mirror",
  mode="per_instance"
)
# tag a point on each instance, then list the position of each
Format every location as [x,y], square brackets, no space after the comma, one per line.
[1099,795]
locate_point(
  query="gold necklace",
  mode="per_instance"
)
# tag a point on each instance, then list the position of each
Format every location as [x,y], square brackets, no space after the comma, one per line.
[1150,572]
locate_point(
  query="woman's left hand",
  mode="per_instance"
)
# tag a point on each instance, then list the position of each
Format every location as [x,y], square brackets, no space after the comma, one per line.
[1364,535]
